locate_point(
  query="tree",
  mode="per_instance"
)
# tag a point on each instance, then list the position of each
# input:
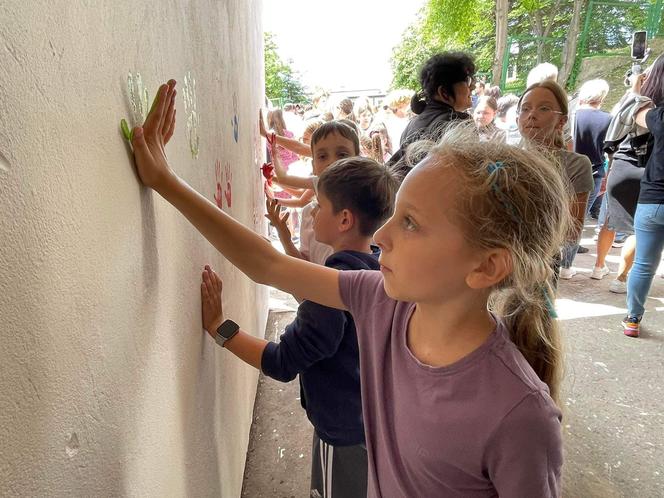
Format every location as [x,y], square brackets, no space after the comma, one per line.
[281,82]
[541,30]
[502,6]
[569,51]
[409,55]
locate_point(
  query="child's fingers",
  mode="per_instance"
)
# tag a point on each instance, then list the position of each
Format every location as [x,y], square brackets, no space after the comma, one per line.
[162,105]
[210,287]
[285,217]
[219,284]
[154,118]
[211,277]
[170,115]
[261,124]
[171,130]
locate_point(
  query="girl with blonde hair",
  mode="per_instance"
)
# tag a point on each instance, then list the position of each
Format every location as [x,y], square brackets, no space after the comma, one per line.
[459,351]
[542,114]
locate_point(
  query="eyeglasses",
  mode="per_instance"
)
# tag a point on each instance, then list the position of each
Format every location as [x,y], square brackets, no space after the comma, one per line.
[470,81]
[541,110]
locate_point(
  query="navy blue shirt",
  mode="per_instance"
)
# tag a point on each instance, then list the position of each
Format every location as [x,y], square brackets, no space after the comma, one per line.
[590,131]
[652,182]
[321,346]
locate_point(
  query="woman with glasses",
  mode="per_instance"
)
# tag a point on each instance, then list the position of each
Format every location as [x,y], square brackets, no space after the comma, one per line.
[448,82]
[542,114]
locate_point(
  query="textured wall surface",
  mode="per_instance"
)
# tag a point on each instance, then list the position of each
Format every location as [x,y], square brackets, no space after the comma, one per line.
[108,386]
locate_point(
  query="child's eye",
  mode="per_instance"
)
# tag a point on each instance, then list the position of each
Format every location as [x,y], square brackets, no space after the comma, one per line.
[408,223]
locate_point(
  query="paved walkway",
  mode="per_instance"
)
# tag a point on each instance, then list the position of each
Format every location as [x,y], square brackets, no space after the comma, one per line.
[613,399]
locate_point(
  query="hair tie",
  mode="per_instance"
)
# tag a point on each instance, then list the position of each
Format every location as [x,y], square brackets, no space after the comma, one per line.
[502,198]
[549,304]
[492,167]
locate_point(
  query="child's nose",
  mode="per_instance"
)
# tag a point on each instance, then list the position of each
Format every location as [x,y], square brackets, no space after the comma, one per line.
[381,238]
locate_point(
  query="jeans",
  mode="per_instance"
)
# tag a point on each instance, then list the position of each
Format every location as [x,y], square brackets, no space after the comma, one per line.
[568,254]
[593,194]
[649,228]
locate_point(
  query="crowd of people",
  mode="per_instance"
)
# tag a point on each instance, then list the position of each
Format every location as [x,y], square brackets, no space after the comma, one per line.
[434,232]
[572,129]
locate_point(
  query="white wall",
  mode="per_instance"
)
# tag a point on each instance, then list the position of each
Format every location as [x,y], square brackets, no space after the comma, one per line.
[108,386]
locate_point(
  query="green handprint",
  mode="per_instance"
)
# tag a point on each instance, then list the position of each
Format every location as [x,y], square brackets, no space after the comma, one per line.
[138,97]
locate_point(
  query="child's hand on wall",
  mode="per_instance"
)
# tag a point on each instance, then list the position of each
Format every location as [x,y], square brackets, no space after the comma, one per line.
[149,140]
[278,220]
[261,124]
[212,311]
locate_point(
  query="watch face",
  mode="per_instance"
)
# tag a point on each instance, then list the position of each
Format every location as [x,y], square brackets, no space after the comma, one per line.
[228,329]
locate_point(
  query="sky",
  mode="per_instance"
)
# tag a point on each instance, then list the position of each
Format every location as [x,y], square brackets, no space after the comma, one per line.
[339,44]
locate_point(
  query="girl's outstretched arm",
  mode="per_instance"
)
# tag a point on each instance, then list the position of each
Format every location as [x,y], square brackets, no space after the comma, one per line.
[283,178]
[245,249]
[299,202]
[296,146]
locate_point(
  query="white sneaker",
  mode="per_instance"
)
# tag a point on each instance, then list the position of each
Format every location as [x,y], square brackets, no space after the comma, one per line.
[618,287]
[599,273]
[567,273]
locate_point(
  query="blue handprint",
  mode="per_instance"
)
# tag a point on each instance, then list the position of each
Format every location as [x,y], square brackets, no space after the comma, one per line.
[235,125]
[234,121]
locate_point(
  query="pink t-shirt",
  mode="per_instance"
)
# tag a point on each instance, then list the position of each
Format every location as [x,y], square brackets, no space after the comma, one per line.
[286,156]
[484,426]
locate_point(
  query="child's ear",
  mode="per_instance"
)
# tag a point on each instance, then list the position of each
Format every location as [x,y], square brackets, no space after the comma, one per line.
[494,268]
[346,220]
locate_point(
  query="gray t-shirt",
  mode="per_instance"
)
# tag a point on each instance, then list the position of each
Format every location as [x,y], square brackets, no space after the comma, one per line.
[484,426]
[579,171]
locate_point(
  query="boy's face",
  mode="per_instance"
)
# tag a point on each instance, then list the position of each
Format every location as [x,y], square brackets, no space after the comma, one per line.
[326,222]
[330,149]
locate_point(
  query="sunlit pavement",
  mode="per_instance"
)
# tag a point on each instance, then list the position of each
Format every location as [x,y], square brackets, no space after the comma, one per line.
[613,397]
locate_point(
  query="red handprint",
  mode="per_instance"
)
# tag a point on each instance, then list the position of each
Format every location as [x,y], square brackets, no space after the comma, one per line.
[228,176]
[217,174]
[268,172]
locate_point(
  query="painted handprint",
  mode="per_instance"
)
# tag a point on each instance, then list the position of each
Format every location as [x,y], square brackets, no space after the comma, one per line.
[137,94]
[193,118]
[228,176]
[234,120]
[218,198]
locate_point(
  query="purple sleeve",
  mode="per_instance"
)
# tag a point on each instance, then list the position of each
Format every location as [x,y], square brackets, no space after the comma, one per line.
[524,456]
[360,289]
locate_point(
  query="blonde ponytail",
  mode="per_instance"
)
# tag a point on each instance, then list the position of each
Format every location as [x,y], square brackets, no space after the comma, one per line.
[517,200]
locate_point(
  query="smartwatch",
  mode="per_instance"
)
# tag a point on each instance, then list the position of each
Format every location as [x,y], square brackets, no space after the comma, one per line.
[225,331]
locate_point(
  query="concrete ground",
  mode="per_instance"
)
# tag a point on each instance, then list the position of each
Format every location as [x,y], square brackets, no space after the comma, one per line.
[613,399]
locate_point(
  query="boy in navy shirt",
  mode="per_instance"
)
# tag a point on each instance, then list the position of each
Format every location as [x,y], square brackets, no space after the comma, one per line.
[354,196]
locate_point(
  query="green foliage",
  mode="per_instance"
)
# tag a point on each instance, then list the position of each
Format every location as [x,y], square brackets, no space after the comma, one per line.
[605,33]
[409,55]
[444,25]
[281,82]
[469,25]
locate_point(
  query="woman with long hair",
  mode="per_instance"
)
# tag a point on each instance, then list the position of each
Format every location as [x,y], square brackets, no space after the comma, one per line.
[542,115]
[631,146]
[649,214]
